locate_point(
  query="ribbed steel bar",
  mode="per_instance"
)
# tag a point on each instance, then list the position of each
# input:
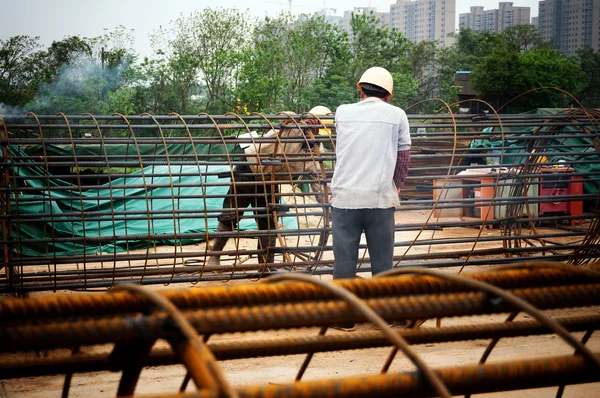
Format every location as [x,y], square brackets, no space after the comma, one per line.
[17,368]
[221,296]
[70,167]
[122,317]
[62,276]
[276,316]
[503,376]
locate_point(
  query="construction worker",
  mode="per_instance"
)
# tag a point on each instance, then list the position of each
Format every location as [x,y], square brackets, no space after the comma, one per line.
[372,156]
[259,194]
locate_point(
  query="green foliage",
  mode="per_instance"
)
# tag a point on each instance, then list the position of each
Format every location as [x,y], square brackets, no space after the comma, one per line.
[405,87]
[589,92]
[522,38]
[121,101]
[375,45]
[65,52]
[503,75]
[67,77]
[331,91]
[20,64]
[211,42]
[434,77]
[290,62]
[218,61]
[470,48]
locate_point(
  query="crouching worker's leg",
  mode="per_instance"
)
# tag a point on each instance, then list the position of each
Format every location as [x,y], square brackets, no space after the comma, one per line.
[229,218]
[227,223]
[266,255]
[266,243]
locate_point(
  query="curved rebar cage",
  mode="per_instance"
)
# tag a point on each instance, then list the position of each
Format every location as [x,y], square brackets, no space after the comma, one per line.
[89,201]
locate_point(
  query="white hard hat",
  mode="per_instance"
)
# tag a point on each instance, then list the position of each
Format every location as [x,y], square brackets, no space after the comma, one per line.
[378,76]
[320,110]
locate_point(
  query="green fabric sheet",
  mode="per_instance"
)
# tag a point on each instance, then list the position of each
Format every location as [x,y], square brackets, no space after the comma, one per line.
[65,234]
[562,147]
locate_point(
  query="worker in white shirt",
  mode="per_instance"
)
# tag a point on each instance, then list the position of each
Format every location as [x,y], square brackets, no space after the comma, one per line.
[372,157]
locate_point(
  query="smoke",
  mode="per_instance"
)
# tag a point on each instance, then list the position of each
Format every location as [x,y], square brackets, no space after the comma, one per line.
[8,110]
[79,87]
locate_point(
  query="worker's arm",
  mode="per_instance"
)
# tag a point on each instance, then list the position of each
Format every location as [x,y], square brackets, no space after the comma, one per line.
[403,152]
[401,170]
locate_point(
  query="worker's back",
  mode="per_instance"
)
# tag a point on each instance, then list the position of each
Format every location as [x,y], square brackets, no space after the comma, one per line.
[368,138]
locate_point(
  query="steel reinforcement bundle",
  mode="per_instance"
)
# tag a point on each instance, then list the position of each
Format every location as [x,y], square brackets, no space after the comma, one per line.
[92,201]
[131,319]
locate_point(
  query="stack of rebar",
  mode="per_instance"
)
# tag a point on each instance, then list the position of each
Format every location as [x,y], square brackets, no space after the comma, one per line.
[131,319]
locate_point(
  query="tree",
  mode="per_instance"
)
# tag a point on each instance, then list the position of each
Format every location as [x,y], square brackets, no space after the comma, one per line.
[589,92]
[261,79]
[158,92]
[114,47]
[330,91]
[522,38]
[293,64]
[20,63]
[432,79]
[215,40]
[374,44]
[503,75]
[86,75]
[66,51]
[470,48]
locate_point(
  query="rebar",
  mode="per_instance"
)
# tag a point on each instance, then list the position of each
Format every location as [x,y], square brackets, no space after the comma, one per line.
[137,198]
[130,324]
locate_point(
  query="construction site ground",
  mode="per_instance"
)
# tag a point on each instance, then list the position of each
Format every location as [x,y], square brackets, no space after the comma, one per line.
[261,371]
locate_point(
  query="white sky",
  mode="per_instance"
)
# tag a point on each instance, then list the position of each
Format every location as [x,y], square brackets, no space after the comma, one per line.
[57,19]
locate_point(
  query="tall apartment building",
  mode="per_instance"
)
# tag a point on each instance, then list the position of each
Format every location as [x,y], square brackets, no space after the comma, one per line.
[571,24]
[425,19]
[329,17]
[344,23]
[494,20]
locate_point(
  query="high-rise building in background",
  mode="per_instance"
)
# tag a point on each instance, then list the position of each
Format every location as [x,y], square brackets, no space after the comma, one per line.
[494,20]
[330,17]
[571,24]
[344,23]
[424,19]
[418,19]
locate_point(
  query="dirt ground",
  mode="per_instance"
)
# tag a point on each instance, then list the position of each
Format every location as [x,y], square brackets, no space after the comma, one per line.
[261,371]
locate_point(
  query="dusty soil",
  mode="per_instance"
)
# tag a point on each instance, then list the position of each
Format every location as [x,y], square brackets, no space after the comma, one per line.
[260,371]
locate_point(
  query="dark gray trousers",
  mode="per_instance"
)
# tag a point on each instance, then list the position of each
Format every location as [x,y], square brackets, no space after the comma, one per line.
[348,226]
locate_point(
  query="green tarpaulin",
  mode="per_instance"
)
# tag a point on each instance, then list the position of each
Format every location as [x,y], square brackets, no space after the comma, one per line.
[148,211]
[562,148]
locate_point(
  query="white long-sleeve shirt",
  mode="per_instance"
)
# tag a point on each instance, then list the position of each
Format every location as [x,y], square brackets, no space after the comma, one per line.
[369,135]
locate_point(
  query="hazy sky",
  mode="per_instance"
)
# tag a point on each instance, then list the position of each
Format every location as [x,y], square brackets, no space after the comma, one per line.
[57,19]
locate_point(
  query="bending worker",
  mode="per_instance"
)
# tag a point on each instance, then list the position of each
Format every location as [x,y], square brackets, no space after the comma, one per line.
[299,154]
[373,153]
